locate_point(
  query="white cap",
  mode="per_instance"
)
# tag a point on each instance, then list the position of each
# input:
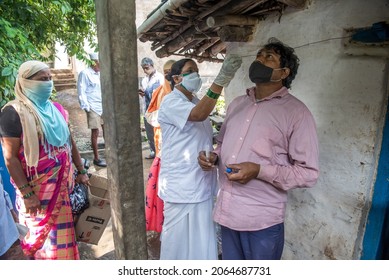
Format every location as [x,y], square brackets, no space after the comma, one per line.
[94,56]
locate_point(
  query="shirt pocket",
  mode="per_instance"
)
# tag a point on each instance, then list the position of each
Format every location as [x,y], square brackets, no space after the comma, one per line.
[268,146]
[261,149]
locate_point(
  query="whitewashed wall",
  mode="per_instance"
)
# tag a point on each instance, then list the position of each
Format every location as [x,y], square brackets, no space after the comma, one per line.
[347,96]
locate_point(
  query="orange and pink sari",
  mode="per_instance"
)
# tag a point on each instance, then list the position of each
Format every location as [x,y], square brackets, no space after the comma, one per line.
[51,233]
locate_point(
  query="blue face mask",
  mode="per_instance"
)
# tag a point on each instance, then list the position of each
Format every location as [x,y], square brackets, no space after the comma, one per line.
[192,82]
[53,124]
[39,92]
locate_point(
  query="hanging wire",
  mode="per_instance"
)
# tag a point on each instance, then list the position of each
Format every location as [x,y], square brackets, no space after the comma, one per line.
[311,43]
[322,41]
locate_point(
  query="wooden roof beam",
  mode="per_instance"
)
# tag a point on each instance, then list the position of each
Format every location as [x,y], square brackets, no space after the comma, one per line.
[231,20]
[235,33]
[298,4]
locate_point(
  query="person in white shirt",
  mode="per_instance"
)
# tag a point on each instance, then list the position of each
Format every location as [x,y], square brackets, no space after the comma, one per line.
[89,96]
[188,231]
[149,83]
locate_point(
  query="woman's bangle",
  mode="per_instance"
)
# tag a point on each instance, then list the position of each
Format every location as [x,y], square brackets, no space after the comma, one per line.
[82,172]
[212,94]
[28,195]
[24,186]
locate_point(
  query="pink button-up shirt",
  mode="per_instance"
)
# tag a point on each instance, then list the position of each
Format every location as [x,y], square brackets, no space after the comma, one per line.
[279,134]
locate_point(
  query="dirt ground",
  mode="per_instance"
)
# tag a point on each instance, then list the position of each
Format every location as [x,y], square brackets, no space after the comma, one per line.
[81,134]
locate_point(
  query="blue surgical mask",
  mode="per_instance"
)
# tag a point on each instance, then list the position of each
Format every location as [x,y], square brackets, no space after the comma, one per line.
[191,82]
[39,92]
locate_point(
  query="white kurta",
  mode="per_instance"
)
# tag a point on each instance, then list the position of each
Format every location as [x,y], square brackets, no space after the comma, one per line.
[89,91]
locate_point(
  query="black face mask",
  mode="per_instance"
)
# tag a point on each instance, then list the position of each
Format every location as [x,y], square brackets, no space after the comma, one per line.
[260,73]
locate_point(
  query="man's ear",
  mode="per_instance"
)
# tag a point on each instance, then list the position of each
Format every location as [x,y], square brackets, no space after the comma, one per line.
[286,72]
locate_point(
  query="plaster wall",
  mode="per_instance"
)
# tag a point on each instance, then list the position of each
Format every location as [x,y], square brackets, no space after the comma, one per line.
[347,96]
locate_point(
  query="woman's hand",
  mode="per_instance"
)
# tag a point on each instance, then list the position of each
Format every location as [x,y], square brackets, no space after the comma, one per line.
[32,205]
[231,64]
[83,179]
[205,163]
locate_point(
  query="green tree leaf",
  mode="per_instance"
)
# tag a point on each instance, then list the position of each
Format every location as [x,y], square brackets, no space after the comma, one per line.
[29,30]
[6,71]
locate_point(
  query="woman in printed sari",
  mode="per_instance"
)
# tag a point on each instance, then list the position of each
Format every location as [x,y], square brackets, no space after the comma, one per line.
[154,204]
[38,150]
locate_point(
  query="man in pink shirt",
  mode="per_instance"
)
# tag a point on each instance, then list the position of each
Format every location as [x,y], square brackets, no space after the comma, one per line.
[267,145]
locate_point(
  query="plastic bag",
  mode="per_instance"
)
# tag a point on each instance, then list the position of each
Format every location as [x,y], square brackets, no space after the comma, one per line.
[79,200]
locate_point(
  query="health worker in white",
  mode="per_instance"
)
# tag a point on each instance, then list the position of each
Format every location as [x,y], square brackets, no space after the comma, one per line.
[188,231]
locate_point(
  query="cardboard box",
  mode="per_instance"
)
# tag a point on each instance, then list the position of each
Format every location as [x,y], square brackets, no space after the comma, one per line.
[93,221]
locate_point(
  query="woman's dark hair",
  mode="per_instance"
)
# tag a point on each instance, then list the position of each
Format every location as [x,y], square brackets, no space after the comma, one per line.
[288,59]
[176,70]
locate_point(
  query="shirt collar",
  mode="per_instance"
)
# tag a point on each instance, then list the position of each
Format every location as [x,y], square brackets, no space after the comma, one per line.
[194,100]
[277,94]
[93,71]
[152,75]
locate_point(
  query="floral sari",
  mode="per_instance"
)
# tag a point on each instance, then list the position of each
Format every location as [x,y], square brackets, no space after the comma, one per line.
[154,205]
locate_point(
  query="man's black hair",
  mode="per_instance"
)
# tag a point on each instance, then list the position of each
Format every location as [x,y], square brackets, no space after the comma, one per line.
[288,59]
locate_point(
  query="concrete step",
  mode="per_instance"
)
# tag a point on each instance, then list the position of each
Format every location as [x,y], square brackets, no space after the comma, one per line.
[65,86]
[64,81]
[61,76]
[60,71]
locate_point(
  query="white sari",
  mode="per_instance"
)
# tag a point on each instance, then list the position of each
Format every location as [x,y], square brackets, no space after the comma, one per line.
[184,236]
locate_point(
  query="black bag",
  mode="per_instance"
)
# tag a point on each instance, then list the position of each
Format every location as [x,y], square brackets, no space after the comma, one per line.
[79,200]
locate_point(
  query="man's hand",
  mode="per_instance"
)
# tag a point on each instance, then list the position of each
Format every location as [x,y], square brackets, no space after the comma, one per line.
[205,163]
[242,172]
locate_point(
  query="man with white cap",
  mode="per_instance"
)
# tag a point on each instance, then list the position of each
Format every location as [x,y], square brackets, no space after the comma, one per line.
[89,96]
[150,82]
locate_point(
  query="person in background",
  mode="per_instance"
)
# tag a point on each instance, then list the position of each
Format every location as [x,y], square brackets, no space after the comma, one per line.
[149,83]
[38,151]
[89,96]
[154,205]
[267,145]
[188,231]
[10,248]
